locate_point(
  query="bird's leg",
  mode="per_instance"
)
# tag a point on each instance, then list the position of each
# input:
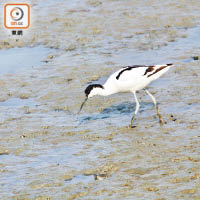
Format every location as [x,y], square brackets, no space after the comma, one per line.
[156,106]
[136,110]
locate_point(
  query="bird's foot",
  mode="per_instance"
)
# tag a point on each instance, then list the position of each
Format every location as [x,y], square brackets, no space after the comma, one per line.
[161,120]
[160,117]
[131,123]
[131,126]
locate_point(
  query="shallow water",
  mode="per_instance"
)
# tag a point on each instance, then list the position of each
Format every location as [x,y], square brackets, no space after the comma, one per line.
[165,54]
[16,102]
[15,59]
[81,179]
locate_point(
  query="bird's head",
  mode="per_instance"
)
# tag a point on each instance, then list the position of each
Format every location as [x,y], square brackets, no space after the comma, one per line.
[90,91]
[93,89]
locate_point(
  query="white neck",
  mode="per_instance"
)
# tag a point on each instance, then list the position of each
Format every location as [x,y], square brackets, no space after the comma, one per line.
[109,89]
[105,91]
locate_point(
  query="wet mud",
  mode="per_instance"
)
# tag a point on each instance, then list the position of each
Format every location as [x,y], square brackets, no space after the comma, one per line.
[48,151]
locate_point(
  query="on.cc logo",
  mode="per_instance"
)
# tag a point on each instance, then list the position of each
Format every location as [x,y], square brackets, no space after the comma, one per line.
[16,14]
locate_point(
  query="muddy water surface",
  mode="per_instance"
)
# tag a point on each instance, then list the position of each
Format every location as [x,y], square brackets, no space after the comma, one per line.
[48,151]
[15,59]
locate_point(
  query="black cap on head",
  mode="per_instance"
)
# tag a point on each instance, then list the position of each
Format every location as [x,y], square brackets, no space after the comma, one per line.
[90,87]
[87,92]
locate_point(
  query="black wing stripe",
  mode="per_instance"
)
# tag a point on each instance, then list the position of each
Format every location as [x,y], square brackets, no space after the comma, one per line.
[149,69]
[159,69]
[128,68]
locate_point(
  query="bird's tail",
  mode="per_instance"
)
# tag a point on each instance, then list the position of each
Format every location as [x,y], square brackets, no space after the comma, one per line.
[158,70]
[170,64]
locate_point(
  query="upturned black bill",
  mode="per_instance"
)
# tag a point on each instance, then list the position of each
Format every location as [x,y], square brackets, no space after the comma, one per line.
[83,104]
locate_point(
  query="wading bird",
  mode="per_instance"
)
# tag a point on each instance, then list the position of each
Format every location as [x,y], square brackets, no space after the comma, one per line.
[129,79]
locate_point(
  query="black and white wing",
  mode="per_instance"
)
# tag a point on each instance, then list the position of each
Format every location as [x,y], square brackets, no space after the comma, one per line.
[141,71]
